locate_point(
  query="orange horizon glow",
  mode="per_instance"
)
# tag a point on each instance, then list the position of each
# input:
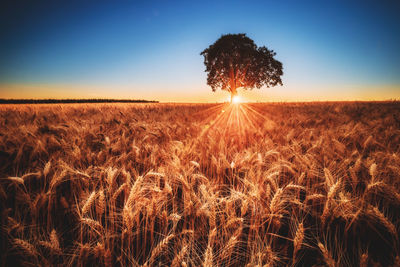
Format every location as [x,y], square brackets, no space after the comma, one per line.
[201,93]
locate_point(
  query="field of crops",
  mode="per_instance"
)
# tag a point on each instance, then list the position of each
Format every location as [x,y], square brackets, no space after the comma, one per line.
[288,184]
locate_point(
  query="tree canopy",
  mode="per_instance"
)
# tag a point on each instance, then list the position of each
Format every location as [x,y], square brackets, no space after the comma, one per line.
[234,61]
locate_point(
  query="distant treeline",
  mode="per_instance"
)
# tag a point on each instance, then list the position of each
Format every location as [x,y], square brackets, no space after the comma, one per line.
[67,101]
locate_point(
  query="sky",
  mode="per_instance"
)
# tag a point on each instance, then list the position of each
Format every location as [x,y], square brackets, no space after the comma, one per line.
[330,50]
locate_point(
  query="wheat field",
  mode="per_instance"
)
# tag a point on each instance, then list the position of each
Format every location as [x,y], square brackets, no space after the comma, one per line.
[280,184]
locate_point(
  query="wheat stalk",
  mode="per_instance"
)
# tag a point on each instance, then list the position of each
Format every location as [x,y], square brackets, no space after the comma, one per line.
[25,246]
[327,257]
[298,240]
[88,203]
[364,260]
[179,258]
[159,248]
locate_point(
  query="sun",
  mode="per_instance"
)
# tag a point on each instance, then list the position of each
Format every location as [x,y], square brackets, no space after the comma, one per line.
[236,99]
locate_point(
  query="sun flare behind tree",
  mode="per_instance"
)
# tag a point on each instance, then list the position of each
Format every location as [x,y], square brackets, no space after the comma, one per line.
[236,99]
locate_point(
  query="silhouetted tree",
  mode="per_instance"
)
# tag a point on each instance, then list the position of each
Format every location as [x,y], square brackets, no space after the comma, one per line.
[234,61]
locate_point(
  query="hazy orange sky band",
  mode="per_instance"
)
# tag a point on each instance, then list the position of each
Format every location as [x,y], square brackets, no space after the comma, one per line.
[202,93]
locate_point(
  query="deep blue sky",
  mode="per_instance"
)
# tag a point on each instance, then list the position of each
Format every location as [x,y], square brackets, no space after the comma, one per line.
[329,49]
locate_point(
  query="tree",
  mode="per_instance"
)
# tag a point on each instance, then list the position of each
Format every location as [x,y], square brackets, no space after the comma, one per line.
[234,61]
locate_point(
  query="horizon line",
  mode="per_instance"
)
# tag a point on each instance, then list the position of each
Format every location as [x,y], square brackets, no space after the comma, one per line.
[131,100]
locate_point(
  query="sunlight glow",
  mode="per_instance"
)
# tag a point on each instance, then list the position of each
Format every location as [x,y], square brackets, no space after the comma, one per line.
[236,99]
[234,123]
